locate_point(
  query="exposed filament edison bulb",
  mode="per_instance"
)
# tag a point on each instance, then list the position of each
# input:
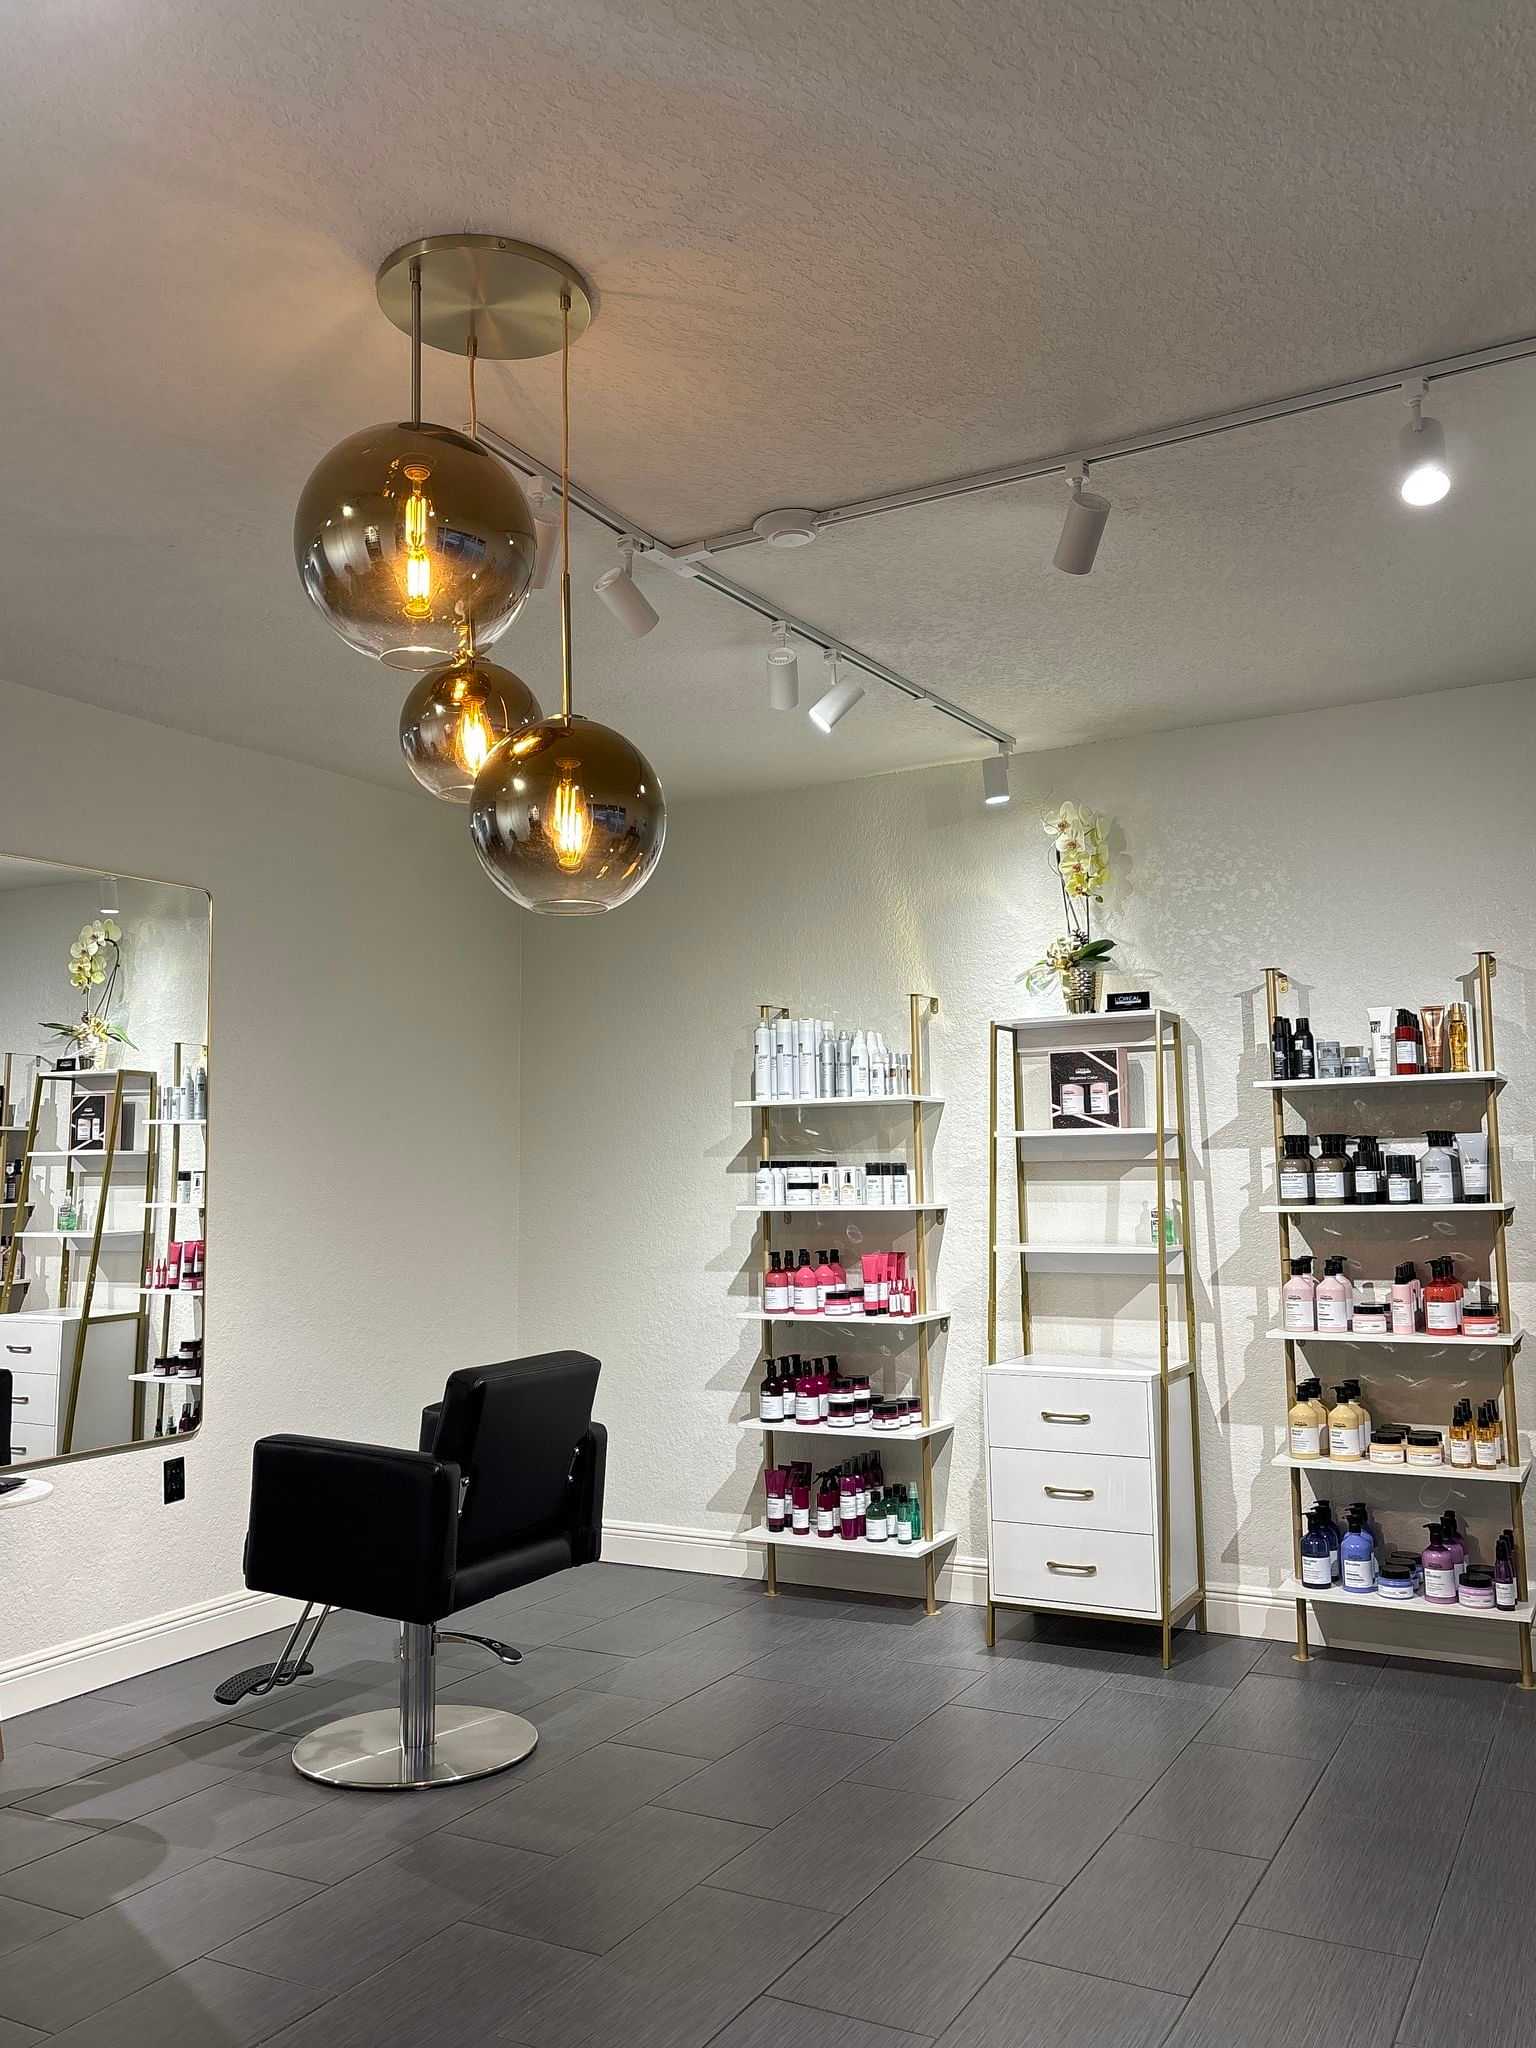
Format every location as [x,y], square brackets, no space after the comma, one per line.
[472,735]
[569,827]
[418,564]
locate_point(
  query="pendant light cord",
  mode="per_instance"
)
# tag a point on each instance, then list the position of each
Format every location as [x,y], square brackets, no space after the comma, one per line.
[565,506]
[415,341]
[472,351]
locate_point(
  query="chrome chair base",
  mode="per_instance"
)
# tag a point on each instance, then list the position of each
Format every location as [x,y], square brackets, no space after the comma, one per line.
[365,1751]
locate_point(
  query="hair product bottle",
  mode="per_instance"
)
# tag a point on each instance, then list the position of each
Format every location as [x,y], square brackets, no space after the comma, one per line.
[1440,1170]
[1333,1177]
[1308,1436]
[1296,1177]
[1316,1552]
[1357,1555]
[1335,1297]
[1442,1299]
[1298,1297]
[1345,1426]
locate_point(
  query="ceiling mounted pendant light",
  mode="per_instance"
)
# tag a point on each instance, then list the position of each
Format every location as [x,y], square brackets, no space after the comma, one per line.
[567,817]
[455,716]
[1422,477]
[408,534]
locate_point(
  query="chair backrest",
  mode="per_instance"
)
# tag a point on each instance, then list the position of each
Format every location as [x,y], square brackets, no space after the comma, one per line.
[513,1430]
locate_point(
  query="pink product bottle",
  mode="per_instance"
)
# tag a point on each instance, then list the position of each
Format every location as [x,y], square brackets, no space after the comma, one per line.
[778,1513]
[1335,1297]
[869,1268]
[776,1288]
[1298,1297]
[826,1280]
[803,1296]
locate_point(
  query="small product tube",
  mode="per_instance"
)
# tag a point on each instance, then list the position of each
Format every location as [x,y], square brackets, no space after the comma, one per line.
[1380,1020]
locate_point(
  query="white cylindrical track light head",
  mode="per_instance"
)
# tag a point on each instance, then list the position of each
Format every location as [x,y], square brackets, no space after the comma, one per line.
[994,777]
[1422,477]
[783,672]
[618,590]
[1083,527]
[838,701]
[546,531]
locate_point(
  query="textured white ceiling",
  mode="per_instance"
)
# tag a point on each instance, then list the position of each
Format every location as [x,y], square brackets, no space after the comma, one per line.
[836,249]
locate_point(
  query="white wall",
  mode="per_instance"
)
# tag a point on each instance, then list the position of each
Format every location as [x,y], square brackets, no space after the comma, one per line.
[362,1186]
[1370,851]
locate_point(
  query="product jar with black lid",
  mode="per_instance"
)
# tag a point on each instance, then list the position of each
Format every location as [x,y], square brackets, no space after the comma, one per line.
[1372,1318]
[1333,1175]
[1389,1446]
[1476,1588]
[1395,1579]
[1426,1447]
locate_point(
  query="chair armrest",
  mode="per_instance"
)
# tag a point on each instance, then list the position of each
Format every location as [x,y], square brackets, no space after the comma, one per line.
[588,1471]
[431,1418]
[353,1525]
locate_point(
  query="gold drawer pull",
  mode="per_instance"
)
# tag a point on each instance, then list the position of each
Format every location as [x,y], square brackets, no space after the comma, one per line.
[1055,1415]
[1075,1571]
[1069,1493]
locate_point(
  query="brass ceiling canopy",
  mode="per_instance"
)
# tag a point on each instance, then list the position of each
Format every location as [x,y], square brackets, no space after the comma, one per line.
[504,296]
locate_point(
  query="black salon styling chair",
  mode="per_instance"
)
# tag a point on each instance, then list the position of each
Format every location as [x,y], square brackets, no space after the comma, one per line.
[506,1488]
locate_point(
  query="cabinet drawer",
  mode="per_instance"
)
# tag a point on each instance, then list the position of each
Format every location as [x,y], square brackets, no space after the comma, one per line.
[30,1440]
[1072,1492]
[30,1346]
[1052,1411]
[35,1397]
[1074,1567]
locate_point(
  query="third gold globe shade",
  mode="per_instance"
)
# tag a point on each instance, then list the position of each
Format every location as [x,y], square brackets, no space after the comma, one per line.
[568,818]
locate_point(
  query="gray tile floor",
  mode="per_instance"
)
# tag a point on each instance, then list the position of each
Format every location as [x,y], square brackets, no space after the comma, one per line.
[815,1822]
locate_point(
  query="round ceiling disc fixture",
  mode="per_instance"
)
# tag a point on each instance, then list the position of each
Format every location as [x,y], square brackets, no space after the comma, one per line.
[791,528]
[504,293]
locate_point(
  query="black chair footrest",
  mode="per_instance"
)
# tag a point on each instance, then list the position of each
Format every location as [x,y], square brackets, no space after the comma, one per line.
[502,1652]
[259,1678]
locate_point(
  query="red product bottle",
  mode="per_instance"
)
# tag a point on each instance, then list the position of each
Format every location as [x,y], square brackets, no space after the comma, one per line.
[800,1508]
[805,1287]
[826,1507]
[826,1279]
[1443,1299]
[173,1264]
[774,1482]
[848,1508]
[1405,1044]
[776,1292]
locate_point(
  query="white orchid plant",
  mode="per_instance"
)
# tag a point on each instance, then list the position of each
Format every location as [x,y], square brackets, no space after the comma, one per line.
[95,962]
[1080,855]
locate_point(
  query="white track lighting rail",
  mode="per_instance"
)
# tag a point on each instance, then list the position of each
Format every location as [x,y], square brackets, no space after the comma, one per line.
[699,551]
[682,561]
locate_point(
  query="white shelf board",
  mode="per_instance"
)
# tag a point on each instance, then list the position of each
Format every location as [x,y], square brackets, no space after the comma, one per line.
[1449,1475]
[84,1155]
[171,1293]
[165,1379]
[1387,1209]
[840,1102]
[860,1433]
[799,1210]
[835,1546]
[1091,1258]
[1134,1141]
[1508,1341]
[1086,1032]
[102,1080]
[1292,1589]
[854,1322]
[80,1236]
[177,1123]
[1080,1362]
[1485,1077]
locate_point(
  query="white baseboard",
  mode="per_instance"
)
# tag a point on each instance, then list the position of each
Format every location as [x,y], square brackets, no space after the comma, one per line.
[1230,1610]
[63,1673]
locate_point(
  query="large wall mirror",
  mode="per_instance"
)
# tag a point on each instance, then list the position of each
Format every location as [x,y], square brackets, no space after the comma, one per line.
[104,1098]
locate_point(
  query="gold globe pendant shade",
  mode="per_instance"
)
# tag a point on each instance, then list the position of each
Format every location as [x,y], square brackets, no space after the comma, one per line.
[568,818]
[406,535]
[455,717]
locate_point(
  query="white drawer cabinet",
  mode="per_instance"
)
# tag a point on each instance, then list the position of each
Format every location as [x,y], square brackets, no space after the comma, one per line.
[1075,1472]
[39,1352]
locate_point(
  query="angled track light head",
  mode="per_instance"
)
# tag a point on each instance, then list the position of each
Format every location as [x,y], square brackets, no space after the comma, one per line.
[783,673]
[619,591]
[994,778]
[1083,527]
[828,710]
